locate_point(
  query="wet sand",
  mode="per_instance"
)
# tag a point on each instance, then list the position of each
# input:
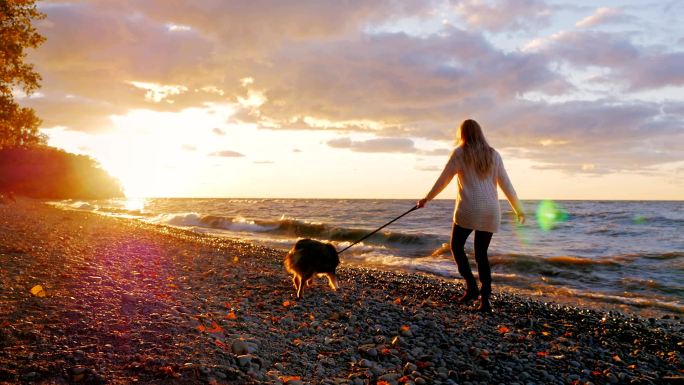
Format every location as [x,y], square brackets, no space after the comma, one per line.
[128,302]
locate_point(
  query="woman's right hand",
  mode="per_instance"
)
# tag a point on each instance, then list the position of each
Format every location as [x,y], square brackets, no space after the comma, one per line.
[421,203]
[521,217]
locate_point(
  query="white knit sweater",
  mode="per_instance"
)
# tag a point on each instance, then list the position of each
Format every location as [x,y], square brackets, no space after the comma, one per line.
[477,203]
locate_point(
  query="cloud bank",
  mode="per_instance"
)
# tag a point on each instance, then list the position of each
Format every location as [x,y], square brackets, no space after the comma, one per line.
[304,65]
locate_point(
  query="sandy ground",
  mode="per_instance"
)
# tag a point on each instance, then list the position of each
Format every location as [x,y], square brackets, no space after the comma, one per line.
[126,302]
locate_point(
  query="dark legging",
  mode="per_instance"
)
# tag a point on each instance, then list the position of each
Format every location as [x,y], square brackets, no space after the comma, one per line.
[482,239]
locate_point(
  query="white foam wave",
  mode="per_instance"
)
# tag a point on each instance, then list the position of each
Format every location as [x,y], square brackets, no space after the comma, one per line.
[177,219]
[74,205]
[242,224]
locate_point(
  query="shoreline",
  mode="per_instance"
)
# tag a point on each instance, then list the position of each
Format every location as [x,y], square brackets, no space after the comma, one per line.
[541,283]
[127,300]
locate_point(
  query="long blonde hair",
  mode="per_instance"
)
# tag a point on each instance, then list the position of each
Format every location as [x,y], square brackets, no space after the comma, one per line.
[477,153]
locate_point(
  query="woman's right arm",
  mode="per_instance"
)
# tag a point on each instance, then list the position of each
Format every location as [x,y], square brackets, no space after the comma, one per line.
[504,182]
[450,169]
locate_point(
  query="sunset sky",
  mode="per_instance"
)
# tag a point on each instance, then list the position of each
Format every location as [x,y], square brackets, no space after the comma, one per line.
[361,99]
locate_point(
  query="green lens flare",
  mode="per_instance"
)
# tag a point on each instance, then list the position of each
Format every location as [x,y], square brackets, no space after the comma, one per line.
[639,220]
[549,214]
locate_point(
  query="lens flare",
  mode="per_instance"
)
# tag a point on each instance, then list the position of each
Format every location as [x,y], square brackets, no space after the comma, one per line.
[639,220]
[549,214]
[135,204]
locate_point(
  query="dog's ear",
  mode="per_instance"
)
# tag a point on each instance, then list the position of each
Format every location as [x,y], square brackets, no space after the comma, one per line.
[331,248]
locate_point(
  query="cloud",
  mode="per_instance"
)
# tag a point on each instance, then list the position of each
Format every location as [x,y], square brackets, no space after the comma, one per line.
[428,168]
[385,145]
[322,66]
[602,16]
[608,134]
[401,82]
[503,15]
[218,131]
[226,154]
[374,145]
[263,162]
[188,147]
[629,65]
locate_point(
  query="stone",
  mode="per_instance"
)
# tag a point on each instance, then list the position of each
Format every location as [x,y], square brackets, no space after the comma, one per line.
[364,363]
[244,360]
[239,347]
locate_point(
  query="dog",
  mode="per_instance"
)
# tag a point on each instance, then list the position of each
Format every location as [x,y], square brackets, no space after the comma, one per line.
[308,258]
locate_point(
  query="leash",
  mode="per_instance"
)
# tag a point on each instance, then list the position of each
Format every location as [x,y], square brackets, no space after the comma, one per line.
[378,229]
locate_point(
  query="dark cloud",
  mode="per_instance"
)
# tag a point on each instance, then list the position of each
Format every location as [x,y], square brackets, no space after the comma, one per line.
[400,80]
[227,154]
[637,67]
[589,137]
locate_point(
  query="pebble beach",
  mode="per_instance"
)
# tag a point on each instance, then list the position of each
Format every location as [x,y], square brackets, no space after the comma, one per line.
[91,299]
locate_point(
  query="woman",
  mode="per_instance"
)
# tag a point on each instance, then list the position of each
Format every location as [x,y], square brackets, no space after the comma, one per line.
[480,169]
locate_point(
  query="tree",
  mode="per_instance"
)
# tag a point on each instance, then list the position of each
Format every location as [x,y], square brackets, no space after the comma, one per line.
[49,173]
[18,125]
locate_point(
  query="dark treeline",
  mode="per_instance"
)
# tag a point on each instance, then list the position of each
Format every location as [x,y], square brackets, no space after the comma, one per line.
[49,173]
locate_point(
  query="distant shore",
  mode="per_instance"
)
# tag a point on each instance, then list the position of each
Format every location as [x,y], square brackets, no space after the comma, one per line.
[123,301]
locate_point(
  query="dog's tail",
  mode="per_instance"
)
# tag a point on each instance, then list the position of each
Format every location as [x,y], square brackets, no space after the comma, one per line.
[291,260]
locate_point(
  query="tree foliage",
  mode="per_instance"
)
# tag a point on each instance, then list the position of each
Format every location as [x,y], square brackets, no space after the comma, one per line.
[18,125]
[49,173]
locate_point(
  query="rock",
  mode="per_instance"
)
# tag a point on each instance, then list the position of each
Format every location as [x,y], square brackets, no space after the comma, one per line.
[252,346]
[364,363]
[78,370]
[244,359]
[128,298]
[239,347]
[420,381]
[389,377]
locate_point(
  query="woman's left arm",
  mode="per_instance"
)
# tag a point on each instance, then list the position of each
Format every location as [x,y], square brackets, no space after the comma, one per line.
[504,182]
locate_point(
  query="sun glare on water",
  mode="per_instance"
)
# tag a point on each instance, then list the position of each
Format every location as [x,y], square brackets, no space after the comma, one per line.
[135,204]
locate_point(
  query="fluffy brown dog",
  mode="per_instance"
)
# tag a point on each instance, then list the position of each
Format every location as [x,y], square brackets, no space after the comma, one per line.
[308,258]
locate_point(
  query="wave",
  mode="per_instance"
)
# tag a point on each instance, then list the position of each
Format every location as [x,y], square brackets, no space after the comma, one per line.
[290,227]
[567,261]
[75,205]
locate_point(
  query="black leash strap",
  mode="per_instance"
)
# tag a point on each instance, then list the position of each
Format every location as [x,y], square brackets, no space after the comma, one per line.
[378,229]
